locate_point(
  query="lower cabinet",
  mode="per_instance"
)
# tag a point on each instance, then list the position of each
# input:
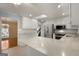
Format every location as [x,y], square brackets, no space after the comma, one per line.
[9,43]
[5,44]
[12,42]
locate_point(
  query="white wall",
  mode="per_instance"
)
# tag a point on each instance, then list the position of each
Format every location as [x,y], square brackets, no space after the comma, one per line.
[27,29]
[27,26]
[59,21]
[28,23]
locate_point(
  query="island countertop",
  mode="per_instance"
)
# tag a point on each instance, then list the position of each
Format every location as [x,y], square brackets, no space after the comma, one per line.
[52,47]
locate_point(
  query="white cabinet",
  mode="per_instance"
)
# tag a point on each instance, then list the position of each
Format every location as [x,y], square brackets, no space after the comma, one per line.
[74,13]
[28,23]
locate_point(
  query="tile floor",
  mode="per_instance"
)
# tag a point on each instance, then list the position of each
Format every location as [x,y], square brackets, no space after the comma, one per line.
[23,50]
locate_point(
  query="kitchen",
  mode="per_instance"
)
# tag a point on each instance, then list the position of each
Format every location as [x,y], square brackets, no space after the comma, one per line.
[54,31]
[65,46]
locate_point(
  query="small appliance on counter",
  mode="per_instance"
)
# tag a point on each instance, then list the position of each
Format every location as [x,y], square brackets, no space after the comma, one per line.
[59,33]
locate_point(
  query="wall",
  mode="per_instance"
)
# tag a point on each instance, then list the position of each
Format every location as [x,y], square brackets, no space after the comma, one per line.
[28,23]
[27,28]
[75,13]
[57,21]
[9,14]
[0,36]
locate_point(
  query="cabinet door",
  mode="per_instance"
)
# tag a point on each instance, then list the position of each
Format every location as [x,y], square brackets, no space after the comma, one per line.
[12,42]
[75,13]
[5,44]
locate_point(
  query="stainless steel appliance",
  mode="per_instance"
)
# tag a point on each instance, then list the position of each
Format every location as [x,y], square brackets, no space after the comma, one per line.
[48,30]
[59,35]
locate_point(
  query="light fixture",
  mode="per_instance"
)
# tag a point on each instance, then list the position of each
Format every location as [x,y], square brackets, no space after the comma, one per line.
[41,16]
[59,6]
[63,13]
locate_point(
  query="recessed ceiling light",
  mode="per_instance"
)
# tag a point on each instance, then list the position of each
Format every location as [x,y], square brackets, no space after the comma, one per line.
[63,14]
[59,6]
[41,16]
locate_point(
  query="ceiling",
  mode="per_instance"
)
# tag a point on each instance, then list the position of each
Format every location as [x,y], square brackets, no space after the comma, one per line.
[36,9]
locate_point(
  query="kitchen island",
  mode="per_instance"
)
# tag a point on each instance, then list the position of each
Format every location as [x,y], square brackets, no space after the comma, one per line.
[66,46]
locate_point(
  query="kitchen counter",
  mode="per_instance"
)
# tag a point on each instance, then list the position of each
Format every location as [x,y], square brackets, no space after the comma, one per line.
[3,39]
[71,37]
[66,46]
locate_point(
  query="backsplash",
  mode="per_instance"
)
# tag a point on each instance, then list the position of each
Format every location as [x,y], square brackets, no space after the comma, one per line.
[67,31]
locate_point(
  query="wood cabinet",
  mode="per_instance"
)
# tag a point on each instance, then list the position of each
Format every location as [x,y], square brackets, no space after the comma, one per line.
[12,40]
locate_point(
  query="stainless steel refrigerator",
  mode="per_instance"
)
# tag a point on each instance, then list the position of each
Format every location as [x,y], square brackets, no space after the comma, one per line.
[48,30]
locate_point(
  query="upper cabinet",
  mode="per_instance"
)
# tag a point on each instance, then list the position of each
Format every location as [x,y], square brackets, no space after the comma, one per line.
[74,11]
[28,23]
